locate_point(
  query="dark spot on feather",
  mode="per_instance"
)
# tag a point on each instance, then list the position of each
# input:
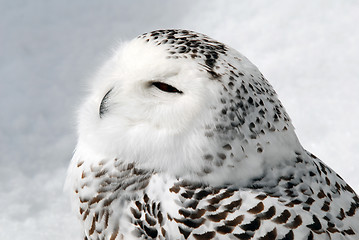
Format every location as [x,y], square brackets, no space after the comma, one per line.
[145,198]
[212,208]
[257,209]
[252,226]
[288,236]
[93,226]
[138,205]
[349,231]
[201,194]
[190,223]
[268,214]
[233,205]
[309,201]
[243,236]
[341,215]
[224,229]
[297,221]
[217,217]
[283,218]
[204,236]
[348,188]
[220,197]
[261,196]
[160,218]
[234,222]
[152,232]
[192,204]
[96,199]
[352,209]
[310,236]
[174,189]
[208,157]
[227,147]
[321,194]
[184,232]
[163,231]
[187,194]
[114,235]
[150,220]
[221,156]
[325,206]
[135,213]
[270,235]
[315,225]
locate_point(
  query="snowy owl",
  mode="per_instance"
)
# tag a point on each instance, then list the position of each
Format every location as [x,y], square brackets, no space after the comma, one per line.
[181,137]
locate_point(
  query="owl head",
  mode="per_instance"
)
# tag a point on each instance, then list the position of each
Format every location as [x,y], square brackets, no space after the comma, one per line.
[181,103]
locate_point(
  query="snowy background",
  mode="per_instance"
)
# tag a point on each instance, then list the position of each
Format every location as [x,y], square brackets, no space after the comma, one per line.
[49,49]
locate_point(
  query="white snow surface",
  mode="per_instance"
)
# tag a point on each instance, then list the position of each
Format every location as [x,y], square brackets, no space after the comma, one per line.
[49,49]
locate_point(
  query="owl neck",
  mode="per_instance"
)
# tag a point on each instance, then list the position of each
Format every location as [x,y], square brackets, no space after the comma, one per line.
[215,160]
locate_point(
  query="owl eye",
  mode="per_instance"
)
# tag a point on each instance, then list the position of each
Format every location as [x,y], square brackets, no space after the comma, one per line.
[165,87]
[104,103]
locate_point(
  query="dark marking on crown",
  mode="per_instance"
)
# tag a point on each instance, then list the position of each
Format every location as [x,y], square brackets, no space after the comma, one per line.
[188,44]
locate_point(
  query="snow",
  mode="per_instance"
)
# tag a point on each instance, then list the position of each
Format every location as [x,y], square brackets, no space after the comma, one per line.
[49,49]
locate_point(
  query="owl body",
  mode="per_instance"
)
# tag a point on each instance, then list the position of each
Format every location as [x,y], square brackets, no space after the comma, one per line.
[181,137]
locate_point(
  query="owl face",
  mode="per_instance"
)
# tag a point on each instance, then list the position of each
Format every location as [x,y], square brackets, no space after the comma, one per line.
[145,107]
[182,103]
[154,92]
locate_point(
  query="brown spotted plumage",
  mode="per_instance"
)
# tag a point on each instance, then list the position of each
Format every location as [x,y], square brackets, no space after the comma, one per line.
[183,138]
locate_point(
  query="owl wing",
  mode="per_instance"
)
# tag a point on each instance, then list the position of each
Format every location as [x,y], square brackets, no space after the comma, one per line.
[201,212]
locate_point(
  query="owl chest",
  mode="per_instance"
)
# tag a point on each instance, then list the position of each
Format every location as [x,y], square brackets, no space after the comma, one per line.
[104,194]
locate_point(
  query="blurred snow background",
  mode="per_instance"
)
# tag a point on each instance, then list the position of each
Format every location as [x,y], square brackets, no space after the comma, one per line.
[48,49]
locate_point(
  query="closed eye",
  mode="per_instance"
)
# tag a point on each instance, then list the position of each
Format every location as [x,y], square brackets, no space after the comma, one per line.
[165,87]
[104,103]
